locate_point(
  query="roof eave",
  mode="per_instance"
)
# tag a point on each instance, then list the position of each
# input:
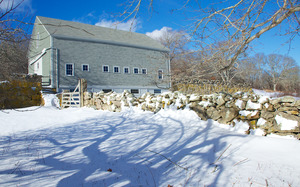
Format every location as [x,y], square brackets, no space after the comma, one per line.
[108,42]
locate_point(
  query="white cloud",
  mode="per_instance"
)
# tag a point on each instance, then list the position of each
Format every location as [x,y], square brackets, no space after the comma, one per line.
[130,25]
[157,34]
[167,33]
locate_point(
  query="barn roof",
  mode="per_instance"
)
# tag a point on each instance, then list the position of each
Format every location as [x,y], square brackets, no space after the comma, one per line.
[80,31]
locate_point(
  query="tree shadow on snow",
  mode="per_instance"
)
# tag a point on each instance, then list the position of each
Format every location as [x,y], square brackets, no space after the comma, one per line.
[150,150]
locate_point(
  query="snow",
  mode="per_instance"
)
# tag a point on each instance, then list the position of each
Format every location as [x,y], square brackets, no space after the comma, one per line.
[239,103]
[290,137]
[205,103]
[266,105]
[263,99]
[2,82]
[45,146]
[286,124]
[246,112]
[257,132]
[267,94]
[194,97]
[51,100]
[254,106]
[273,95]
[239,127]
[261,121]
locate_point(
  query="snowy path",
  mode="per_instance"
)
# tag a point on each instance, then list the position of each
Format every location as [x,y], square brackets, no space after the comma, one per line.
[76,147]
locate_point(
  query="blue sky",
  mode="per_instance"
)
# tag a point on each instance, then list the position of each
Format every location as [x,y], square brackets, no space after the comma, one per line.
[105,13]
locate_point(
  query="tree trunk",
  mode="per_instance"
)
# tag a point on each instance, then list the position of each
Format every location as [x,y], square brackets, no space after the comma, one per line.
[274,87]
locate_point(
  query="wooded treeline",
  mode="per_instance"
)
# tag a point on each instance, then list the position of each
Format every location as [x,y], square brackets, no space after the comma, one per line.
[229,26]
[274,71]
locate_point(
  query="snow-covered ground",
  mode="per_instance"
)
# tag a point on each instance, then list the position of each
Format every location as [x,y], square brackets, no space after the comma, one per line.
[271,94]
[45,146]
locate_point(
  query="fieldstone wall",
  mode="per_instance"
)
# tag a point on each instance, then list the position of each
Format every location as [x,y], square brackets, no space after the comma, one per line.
[20,93]
[280,116]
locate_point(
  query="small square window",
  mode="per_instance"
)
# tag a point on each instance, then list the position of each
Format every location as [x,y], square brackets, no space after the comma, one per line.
[126,70]
[85,67]
[144,71]
[157,91]
[69,70]
[136,70]
[134,91]
[160,74]
[116,69]
[107,90]
[105,68]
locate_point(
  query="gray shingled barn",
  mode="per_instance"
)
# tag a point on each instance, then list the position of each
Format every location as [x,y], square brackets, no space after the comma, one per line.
[109,59]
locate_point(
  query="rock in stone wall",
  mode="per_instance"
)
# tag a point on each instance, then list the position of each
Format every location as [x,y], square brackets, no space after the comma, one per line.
[271,115]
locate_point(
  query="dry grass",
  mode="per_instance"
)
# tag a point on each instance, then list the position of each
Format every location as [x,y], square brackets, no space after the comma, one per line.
[210,88]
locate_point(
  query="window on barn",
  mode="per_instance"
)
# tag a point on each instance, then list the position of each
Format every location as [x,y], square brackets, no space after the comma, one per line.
[157,91]
[144,71]
[136,70]
[70,69]
[134,91]
[116,69]
[106,90]
[105,68]
[126,70]
[85,67]
[160,74]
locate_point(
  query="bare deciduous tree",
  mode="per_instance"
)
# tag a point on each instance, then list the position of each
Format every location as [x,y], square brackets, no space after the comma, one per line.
[246,20]
[216,56]
[12,24]
[13,59]
[252,71]
[281,70]
[13,40]
[240,21]
[176,42]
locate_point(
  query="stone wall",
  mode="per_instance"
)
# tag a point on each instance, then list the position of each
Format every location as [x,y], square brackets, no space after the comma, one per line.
[271,115]
[20,93]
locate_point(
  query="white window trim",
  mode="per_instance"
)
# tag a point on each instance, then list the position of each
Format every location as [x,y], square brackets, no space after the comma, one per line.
[103,69]
[144,69]
[72,69]
[118,69]
[128,70]
[162,74]
[85,65]
[136,68]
